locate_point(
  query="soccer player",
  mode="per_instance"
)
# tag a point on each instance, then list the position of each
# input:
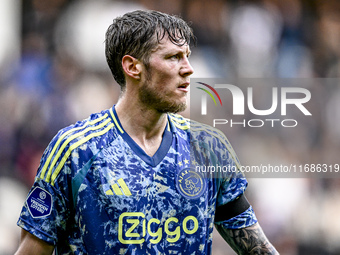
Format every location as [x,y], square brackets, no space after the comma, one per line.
[125,180]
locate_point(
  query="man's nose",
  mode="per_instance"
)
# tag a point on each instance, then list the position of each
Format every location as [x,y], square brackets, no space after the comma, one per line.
[187,69]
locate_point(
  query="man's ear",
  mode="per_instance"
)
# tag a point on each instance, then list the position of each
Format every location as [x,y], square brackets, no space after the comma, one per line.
[132,67]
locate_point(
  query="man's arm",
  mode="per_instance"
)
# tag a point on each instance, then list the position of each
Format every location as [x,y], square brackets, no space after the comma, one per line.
[249,240]
[31,245]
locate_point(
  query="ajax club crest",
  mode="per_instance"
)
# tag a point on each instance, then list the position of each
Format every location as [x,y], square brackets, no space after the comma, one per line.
[190,183]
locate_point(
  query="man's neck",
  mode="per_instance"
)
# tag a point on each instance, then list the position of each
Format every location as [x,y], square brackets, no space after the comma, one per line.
[145,126]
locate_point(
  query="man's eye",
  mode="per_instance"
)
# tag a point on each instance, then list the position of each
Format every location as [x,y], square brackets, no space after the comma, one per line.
[174,57]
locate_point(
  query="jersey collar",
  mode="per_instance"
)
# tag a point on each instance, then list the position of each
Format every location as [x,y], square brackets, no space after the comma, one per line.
[162,150]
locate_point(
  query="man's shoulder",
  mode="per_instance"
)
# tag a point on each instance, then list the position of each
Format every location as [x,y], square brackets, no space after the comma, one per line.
[203,136]
[96,125]
[76,143]
[195,128]
[180,122]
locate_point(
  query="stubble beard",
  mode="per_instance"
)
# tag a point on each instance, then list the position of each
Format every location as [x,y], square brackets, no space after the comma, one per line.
[155,100]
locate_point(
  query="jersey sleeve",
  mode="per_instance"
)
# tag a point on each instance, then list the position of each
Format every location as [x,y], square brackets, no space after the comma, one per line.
[233,182]
[233,187]
[231,190]
[44,213]
[243,220]
[46,209]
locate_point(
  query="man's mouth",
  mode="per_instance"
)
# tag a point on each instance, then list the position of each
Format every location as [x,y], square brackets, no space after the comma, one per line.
[184,87]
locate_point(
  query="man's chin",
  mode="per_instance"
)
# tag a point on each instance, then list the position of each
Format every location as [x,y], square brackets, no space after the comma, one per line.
[174,108]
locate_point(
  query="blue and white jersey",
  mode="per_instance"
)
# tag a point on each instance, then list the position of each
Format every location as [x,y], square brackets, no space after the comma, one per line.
[98,192]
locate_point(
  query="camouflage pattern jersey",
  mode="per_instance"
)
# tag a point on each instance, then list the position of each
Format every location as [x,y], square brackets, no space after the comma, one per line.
[98,192]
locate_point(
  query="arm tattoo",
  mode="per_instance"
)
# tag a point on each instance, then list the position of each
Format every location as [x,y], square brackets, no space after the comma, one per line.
[249,240]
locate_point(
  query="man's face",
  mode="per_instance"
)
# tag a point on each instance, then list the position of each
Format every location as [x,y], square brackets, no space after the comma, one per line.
[166,78]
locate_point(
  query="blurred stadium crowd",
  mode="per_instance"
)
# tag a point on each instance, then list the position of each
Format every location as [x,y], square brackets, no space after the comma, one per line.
[53,73]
